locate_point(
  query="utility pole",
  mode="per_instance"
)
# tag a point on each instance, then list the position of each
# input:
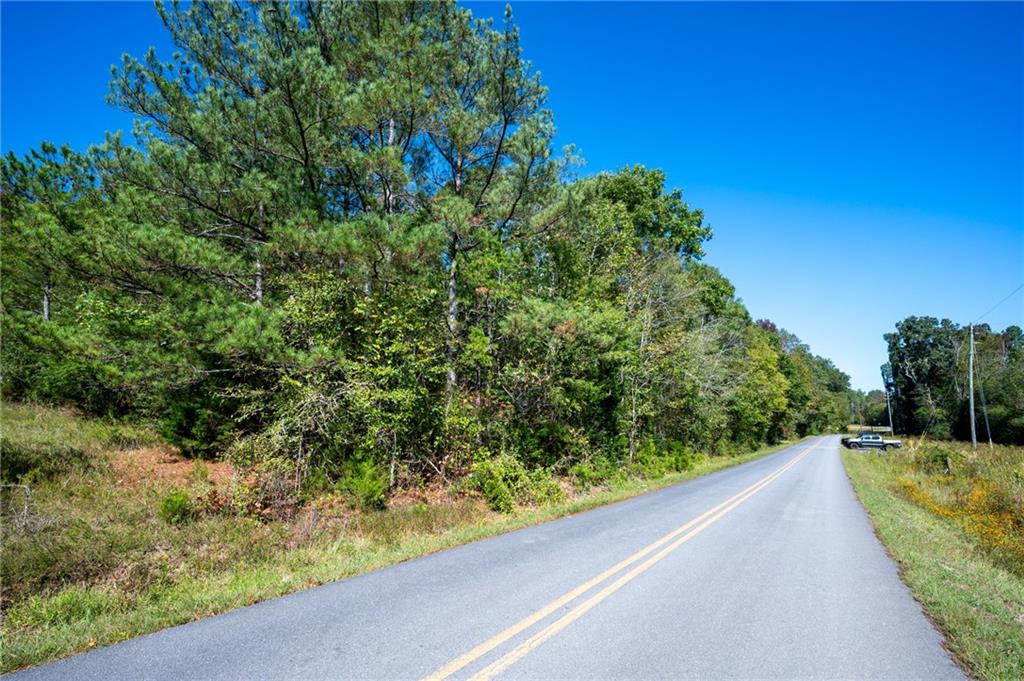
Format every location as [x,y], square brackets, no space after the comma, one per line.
[888,405]
[970,387]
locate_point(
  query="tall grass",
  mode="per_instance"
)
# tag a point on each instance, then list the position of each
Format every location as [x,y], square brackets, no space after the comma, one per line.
[953,519]
[982,491]
[43,441]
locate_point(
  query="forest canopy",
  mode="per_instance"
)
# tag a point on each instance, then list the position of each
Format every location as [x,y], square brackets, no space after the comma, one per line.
[339,245]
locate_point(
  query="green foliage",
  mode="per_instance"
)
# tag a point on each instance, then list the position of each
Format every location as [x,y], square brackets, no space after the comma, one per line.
[937,458]
[346,255]
[588,473]
[196,423]
[500,479]
[504,481]
[544,488]
[71,605]
[176,507]
[927,377]
[365,484]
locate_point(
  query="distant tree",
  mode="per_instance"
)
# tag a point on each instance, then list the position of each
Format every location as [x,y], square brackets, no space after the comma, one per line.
[929,382]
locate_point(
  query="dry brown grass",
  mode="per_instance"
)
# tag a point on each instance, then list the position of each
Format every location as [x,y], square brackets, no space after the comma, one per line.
[163,465]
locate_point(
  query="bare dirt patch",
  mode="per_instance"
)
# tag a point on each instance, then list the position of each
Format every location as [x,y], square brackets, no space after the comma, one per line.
[164,465]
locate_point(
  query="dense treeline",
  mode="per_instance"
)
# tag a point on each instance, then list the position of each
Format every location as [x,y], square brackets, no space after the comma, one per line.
[928,380]
[341,247]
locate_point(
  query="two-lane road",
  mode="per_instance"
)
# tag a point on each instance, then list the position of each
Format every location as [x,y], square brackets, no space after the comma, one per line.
[765,570]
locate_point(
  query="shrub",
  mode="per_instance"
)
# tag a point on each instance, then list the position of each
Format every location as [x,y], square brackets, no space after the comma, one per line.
[267,488]
[197,423]
[501,480]
[682,458]
[592,472]
[936,458]
[175,508]
[315,483]
[497,494]
[504,481]
[648,463]
[365,484]
[544,489]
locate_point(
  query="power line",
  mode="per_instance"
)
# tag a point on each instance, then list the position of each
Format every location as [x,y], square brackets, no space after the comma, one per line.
[1010,295]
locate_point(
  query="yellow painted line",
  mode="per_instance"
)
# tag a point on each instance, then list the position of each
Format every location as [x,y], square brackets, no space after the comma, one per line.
[527,622]
[523,649]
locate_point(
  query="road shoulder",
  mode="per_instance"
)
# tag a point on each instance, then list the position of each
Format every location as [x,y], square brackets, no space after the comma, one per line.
[979,606]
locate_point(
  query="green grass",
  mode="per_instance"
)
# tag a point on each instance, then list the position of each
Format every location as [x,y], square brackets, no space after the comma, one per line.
[955,545]
[94,562]
[46,441]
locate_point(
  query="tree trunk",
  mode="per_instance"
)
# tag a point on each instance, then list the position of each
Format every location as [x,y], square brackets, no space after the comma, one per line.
[452,317]
[46,299]
[258,295]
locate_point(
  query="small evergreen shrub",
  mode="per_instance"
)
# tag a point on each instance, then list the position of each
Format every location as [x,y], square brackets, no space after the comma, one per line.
[366,485]
[175,508]
[196,423]
[504,481]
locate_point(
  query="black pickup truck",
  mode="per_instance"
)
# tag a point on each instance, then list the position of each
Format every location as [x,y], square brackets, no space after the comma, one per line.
[870,441]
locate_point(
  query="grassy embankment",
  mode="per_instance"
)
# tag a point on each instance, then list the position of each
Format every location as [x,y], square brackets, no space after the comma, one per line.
[954,520]
[97,556]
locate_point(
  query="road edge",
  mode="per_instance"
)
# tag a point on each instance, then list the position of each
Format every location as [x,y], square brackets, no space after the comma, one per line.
[909,566]
[269,584]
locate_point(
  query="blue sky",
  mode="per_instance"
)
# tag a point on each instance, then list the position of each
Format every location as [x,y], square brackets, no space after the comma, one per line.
[858,163]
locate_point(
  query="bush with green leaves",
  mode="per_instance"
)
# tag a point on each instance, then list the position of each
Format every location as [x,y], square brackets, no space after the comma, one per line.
[504,481]
[176,507]
[591,472]
[543,487]
[499,480]
[365,484]
[936,457]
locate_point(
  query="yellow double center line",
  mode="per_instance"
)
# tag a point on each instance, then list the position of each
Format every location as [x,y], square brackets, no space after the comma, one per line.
[673,541]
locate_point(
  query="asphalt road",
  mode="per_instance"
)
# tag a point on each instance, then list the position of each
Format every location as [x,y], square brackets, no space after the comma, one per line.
[765,570]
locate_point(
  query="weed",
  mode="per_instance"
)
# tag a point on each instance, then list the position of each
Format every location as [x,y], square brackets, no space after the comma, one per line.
[175,508]
[366,485]
[934,524]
